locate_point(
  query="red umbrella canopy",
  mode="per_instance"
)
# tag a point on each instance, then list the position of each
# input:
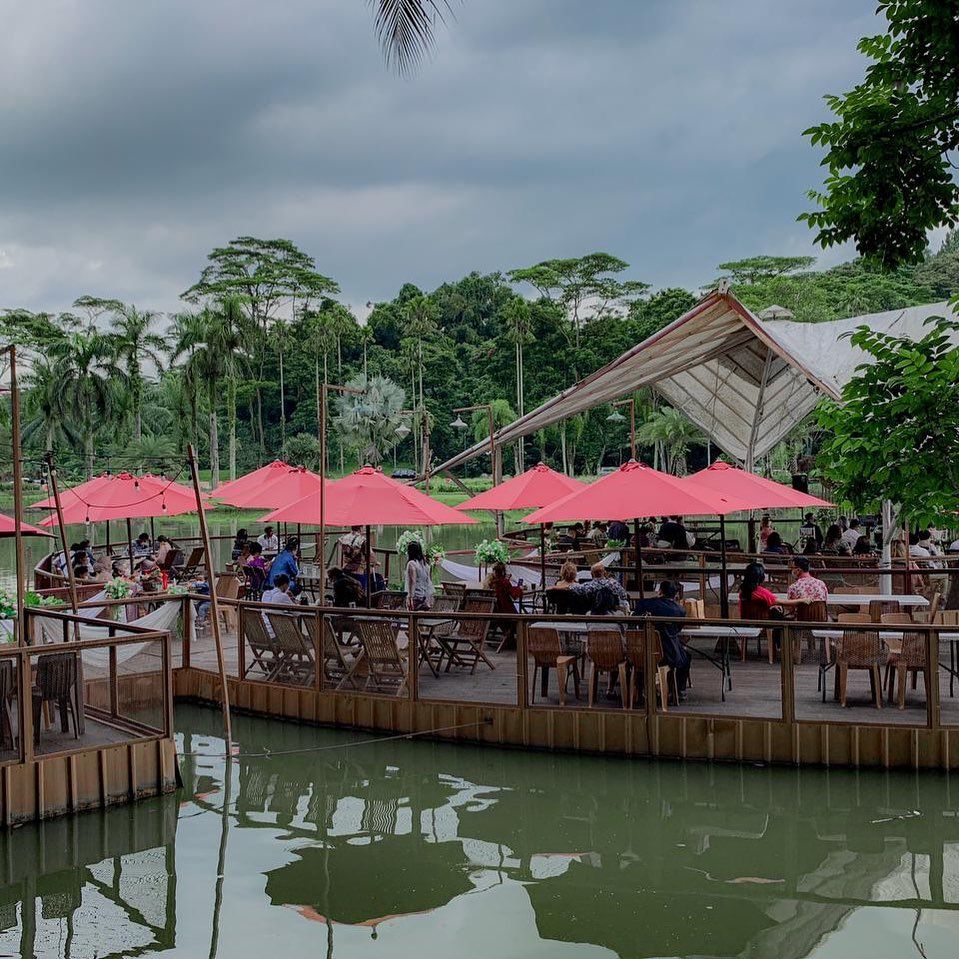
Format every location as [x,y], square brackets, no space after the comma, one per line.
[82,490]
[536,487]
[7,524]
[284,486]
[251,481]
[637,490]
[759,492]
[368,498]
[125,496]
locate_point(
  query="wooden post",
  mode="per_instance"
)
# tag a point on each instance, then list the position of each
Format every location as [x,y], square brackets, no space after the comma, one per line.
[17,495]
[214,605]
[542,561]
[321,558]
[639,560]
[369,572]
[723,586]
[130,544]
[522,665]
[187,615]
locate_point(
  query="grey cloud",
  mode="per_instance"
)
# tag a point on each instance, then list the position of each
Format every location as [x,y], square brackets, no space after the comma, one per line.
[137,136]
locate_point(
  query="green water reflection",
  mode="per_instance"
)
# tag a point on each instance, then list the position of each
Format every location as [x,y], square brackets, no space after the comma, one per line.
[413,848]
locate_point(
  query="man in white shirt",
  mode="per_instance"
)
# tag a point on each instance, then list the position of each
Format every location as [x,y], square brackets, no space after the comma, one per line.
[277,595]
[269,541]
[851,536]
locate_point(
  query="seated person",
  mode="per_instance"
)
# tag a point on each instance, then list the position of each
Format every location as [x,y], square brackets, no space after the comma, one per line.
[673,534]
[255,569]
[164,546]
[675,653]
[102,570]
[805,588]
[142,546]
[618,531]
[766,529]
[597,534]
[268,541]
[834,544]
[286,565]
[277,595]
[241,538]
[201,587]
[558,597]
[505,592]
[755,601]
[81,573]
[604,594]
[774,544]
[347,590]
[863,547]
[567,576]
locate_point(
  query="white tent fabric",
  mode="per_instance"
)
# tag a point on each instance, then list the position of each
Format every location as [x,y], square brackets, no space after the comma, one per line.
[745,382]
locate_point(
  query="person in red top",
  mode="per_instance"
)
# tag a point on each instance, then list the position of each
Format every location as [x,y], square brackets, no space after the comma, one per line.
[505,594]
[755,601]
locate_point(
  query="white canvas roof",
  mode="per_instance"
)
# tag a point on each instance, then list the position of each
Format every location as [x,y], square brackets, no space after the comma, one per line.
[745,382]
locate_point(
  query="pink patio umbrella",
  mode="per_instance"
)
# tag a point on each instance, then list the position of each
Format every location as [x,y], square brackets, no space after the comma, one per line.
[637,490]
[7,527]
[283,486]
[250,481]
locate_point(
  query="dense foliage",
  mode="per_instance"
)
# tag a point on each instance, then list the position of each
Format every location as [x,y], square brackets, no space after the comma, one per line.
[237,373]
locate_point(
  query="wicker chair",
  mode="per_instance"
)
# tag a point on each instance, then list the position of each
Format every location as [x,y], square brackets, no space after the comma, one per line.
[636,660]
[814,612]
[860,649]
[604,653]
[8,690]
[387,667]
[879,608]
[56,682]
[908,661]
[546,650]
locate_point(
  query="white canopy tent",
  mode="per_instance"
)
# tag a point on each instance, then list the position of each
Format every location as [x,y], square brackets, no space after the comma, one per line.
[743,381]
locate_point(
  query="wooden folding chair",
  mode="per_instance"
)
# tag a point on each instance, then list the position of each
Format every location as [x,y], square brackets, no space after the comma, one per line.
[387,666]
[389,599]
[193,563]
[262,646]
[337,660]
[294,651]
[464,645]
[544,646]
[227,587]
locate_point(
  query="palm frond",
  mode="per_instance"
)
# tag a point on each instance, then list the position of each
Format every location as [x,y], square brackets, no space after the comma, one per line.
[405,29]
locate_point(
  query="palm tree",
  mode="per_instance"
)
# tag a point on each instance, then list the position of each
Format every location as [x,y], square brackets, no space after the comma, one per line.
[187,331]
[85,369]
[281,331]
[134,342]
[45,413]
[674,432]
[367,422]
[405,30]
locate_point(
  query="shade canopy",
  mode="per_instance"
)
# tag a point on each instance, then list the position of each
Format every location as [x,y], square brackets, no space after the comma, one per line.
[283,486]
[760,492]
[82,490]
[7,527]
[637,490]
[250,481]
[744,381]
[125,496]
[537,487]
[368,498]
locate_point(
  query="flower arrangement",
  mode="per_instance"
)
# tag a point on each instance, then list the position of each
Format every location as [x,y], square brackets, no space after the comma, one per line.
[491,551]
[8,605]
[118,588]
[432,551]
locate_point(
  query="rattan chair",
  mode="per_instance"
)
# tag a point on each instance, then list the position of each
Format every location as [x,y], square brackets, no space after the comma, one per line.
[544,647]
[387,667]
[56,682]
[605,654]
[862,650]
[635,642]
[907,658]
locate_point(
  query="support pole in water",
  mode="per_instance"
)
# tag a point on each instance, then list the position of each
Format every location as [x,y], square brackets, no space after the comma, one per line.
[214,603]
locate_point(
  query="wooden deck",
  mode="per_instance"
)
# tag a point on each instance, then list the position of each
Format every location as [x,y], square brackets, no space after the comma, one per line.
[756,689]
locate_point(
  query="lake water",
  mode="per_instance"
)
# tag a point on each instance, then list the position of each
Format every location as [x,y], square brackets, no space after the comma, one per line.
[330,845]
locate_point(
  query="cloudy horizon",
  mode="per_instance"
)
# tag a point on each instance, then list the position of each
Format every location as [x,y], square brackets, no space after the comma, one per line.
[138,137]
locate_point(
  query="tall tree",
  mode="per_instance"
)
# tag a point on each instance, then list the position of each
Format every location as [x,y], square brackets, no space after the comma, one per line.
[368,422]
[888,150]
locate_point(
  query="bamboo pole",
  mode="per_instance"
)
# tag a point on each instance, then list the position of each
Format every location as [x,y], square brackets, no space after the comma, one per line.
[58,505]
[214,604]
[17,495]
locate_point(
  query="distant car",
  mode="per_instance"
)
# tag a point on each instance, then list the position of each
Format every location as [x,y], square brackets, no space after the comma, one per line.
[403,474]
[606,470]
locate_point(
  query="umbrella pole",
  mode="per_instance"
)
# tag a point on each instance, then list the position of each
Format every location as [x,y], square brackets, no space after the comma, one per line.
[153,532]
[108,537]
[130,545]
[19,625]
[723,587]
[71,580]
[639,560]
[542,557]
[369,571]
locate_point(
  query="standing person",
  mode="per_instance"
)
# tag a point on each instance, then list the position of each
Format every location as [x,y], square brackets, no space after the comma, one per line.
[277,595]
[811,530]
[241,538]
[675,653]
[352,551]
[418,579]
[286,565]
[269,541]
[851,535]
[766,529]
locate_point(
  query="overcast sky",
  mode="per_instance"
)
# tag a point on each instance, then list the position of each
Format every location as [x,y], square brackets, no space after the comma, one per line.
[135,136]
